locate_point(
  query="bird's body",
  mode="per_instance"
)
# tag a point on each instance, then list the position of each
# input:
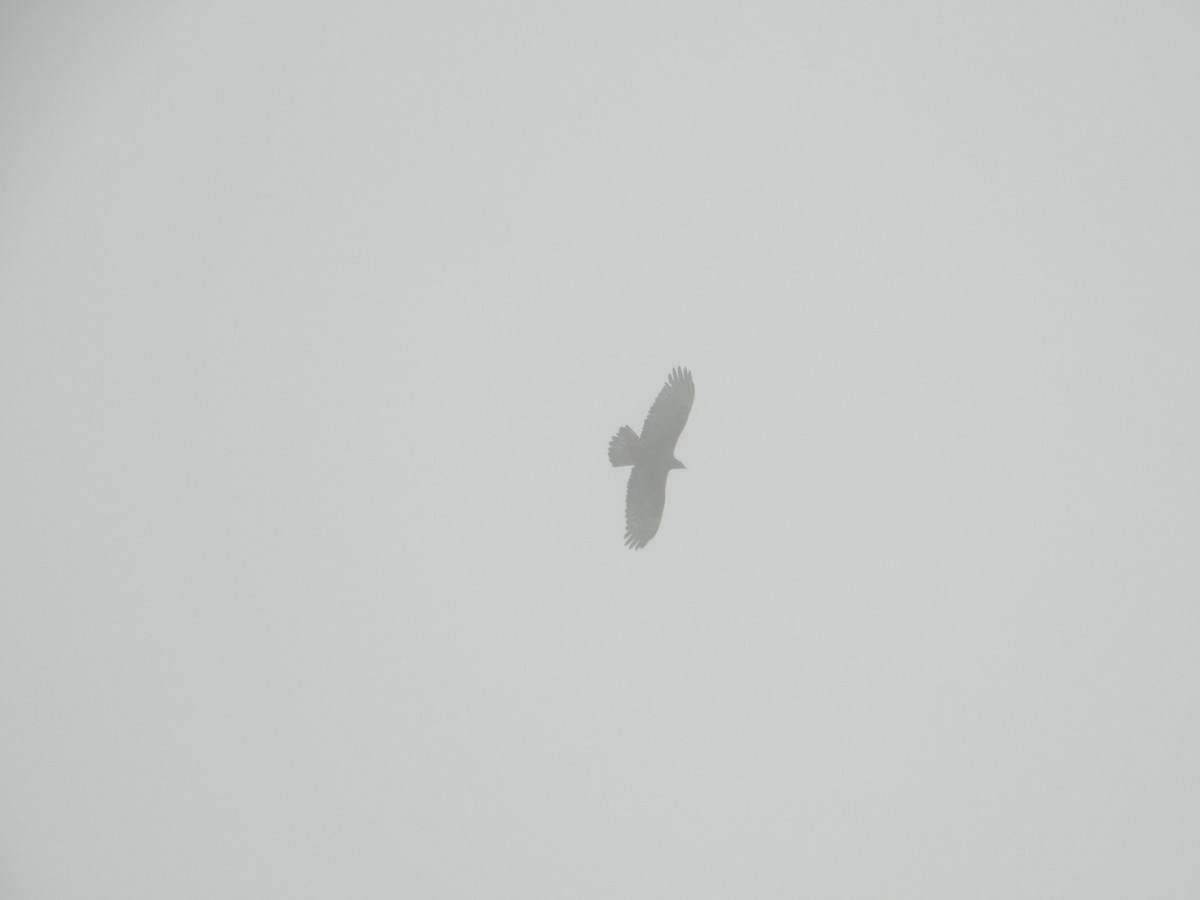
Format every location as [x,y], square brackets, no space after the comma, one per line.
[652,455]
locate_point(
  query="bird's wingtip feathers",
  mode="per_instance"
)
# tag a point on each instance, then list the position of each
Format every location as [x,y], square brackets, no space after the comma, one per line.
[678,375]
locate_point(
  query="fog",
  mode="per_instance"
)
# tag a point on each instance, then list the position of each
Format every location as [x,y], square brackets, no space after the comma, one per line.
[316,321]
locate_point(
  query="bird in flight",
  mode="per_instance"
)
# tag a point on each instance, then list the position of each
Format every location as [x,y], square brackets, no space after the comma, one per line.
[652,456]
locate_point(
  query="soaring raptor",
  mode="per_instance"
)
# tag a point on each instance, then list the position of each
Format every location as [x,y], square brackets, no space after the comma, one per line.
[652,456]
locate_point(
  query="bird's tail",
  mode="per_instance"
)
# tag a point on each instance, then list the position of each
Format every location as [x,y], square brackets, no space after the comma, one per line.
[621,447]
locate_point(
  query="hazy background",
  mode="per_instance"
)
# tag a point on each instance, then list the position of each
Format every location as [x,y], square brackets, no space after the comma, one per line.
[315,321]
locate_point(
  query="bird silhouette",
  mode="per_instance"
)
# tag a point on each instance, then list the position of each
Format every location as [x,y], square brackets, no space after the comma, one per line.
[652,455]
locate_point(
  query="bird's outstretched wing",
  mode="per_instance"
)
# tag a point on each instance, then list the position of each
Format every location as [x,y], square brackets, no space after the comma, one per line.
[644,500]
[669,414]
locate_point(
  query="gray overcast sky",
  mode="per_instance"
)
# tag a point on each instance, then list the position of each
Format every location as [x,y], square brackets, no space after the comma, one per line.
[315,321]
